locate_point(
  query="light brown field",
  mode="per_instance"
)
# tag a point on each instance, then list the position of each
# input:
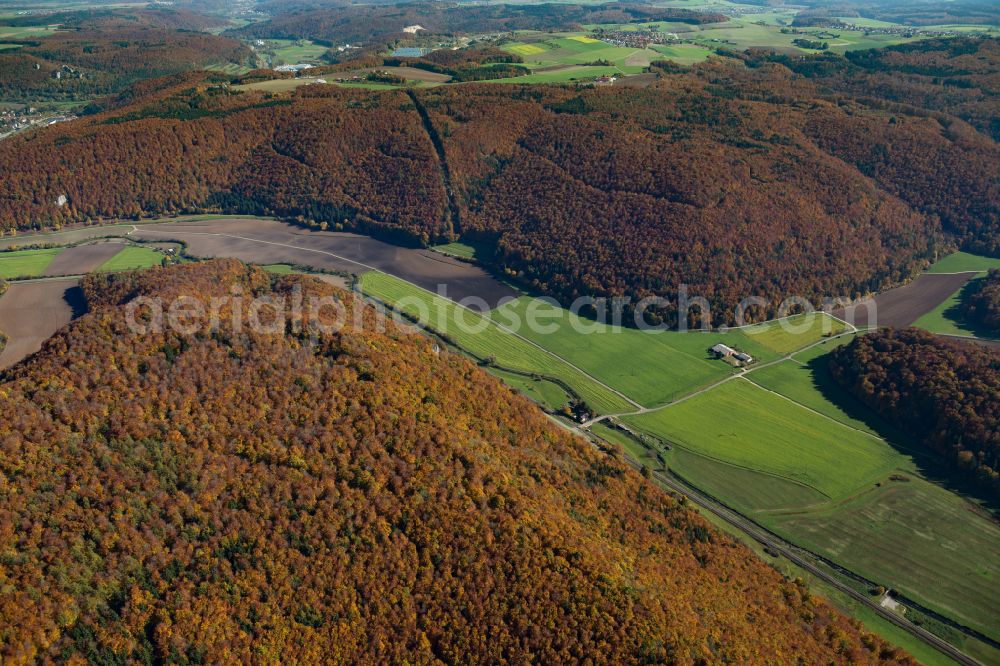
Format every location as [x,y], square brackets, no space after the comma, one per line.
[30,312]
[414,74]
[902,306]
[83,259]
[278,85]
[272,242]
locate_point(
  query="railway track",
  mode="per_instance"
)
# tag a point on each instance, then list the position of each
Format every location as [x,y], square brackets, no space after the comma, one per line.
[789,552]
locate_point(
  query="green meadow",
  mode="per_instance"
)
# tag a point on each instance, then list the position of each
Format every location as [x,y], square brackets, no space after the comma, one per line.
[915,537]
[483,338]
[653,367]
[548,394]
[26,263]
[131,258]
[947,318]
[25,32]
[567,74]
[794,332]
[812,387]
[682,54]
[563,58]
[470,250]
[278,269]
[739,486]
[963,262]
[292,52]
[744,425]
[789,448]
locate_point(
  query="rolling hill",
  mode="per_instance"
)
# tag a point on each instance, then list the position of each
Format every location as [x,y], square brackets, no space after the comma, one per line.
[733,180]
[230,493]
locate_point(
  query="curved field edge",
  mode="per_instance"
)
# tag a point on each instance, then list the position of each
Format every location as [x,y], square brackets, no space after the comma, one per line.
[656,367]
[750,427]
[484,339]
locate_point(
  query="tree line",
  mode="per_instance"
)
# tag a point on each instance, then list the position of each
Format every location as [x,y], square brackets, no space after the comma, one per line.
[733,180]
[228,496]
[944,394]
[982,305]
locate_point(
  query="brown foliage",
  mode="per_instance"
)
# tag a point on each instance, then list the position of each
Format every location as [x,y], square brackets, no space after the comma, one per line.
[959,76]
[732,180]
[945,394]
[982,306]
[238,497]
[106,54]
[378,24]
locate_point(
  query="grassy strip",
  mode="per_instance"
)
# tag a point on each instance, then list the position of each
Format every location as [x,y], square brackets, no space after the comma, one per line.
[131,258]
[26,263]
[484,339]
[741,424]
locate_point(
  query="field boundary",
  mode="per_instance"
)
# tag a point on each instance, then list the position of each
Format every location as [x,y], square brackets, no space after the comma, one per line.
[510,331]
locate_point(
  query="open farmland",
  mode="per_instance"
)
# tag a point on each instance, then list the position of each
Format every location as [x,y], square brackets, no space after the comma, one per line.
[291,52]
[763,30]
[744,425]
[26,31]
[963,262]
[682,54]
[278,85]
[902,306]
[917,538]
[793,379]
[26,263]
[483,338]
[793,333]
[563,74]
[130,258]
[263,241]
[738,486]
[83,259]
[947,318]
[653,367]
[563,58]
[31,312]
[738,443]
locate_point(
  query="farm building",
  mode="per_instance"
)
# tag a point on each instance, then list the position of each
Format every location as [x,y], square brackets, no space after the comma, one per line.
[725,351]
[293,68]
[722,351]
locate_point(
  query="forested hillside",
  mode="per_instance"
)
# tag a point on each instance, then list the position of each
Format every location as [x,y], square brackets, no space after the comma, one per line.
[3,336]
[375,24]
[957,76]
[734,180]
[228,496]
[945,394]
[982,307]
[103,52]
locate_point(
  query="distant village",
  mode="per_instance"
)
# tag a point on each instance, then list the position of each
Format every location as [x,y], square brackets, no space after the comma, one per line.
[15,119]
[634,39]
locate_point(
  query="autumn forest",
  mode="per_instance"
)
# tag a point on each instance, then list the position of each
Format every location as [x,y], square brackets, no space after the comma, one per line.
[604,192]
